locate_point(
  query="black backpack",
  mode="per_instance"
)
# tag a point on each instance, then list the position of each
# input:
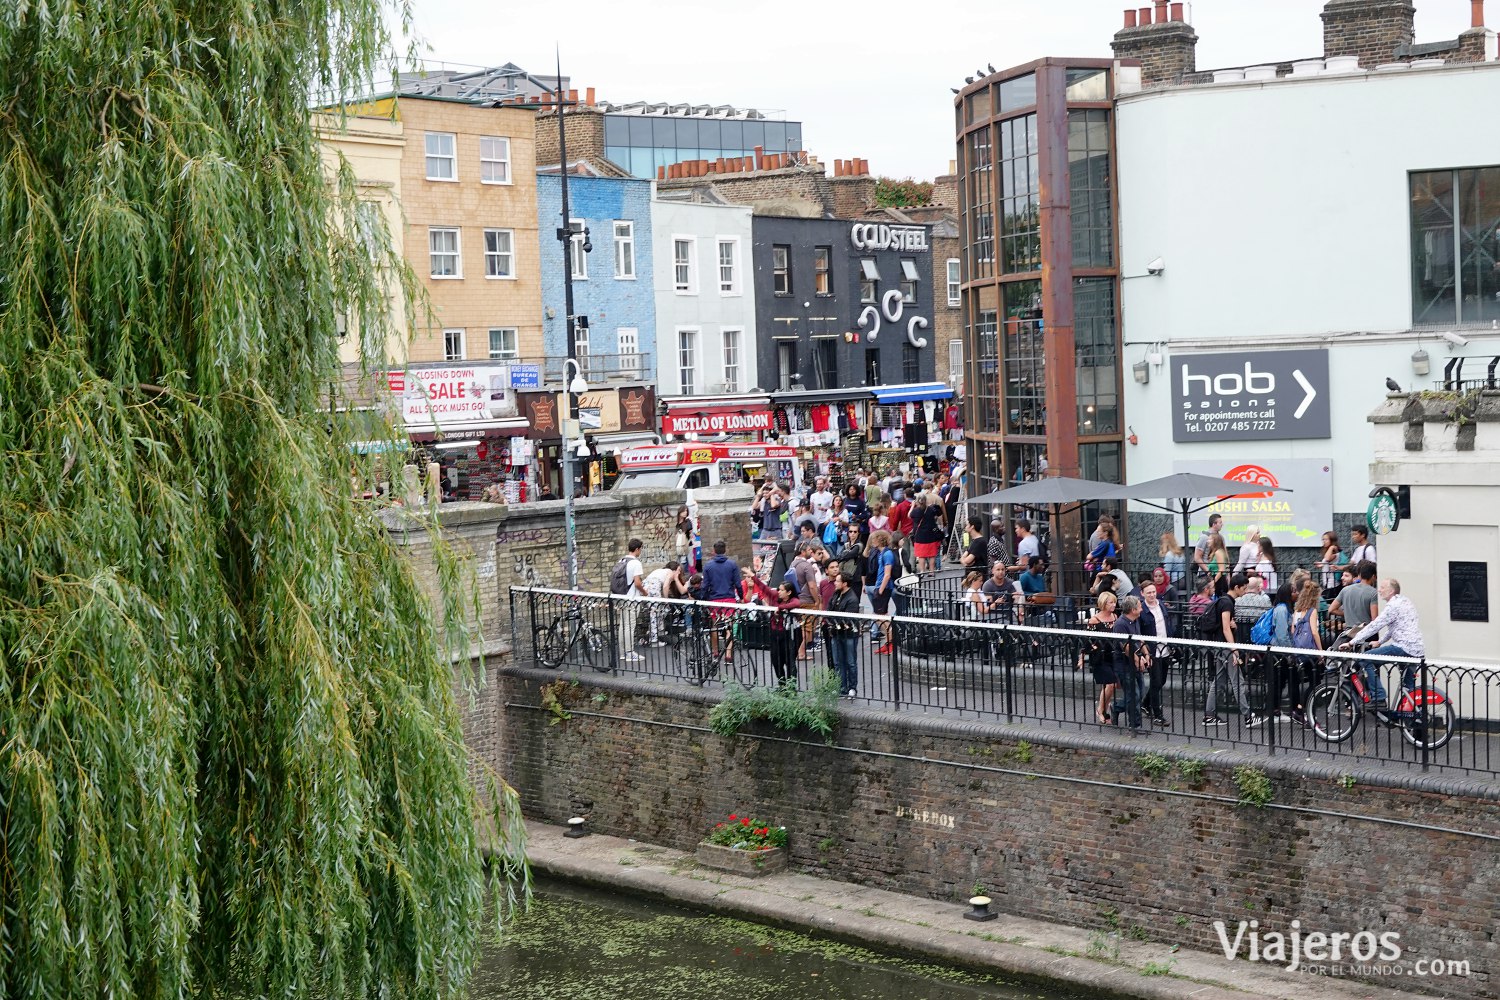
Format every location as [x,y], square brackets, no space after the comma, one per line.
[849,562]
[1042,551]
[619,583]
[1210,620]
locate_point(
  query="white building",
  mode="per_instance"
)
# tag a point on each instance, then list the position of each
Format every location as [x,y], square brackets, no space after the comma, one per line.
[1314,213]
[705,298]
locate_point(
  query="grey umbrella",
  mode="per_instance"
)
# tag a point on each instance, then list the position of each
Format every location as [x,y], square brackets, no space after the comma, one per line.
[1058,494]
[1182,488]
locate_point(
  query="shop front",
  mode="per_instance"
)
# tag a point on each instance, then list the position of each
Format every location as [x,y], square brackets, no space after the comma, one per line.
[826,427]
[611,420]
[463,419]
[740,418]
[916,422]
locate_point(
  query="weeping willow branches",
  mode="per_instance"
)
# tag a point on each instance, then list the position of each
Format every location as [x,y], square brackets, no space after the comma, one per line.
[230,761]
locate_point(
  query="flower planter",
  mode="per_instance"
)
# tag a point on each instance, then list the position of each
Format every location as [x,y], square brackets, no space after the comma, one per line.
[742,862]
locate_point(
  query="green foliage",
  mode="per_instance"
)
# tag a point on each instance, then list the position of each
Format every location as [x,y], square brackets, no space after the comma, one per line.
[1153,764]
[814,709]
[827,844]
[1158,968]
[1191,769]
[892,193]
[552,701]
[747,834]
[1104,946]
[1255,787]
[1021,753]
[1346,781]
[230,758]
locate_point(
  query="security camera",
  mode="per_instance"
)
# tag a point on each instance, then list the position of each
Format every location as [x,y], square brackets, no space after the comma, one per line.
[1455,339]
[1157,266]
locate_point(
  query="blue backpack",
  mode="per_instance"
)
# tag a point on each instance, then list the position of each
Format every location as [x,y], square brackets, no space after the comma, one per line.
[1264,628]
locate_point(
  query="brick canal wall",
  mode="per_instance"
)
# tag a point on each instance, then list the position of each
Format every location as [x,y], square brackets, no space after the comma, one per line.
[1060,827]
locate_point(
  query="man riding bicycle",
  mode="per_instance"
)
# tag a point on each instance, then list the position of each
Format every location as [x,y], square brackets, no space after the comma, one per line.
[1403,637]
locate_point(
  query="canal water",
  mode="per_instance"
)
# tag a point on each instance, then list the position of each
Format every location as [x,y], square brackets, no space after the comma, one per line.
[579,944]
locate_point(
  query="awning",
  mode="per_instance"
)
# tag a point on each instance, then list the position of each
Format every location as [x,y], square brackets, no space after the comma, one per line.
[913,392]
[623,439]
[909,269]
[868,269]
[515,426]
[812,397]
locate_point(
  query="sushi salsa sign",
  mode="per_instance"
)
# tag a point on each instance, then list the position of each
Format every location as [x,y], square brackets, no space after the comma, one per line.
[1250,396]
[1297,517]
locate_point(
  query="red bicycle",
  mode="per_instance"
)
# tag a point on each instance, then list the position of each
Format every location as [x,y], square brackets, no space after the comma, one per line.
[1336,706]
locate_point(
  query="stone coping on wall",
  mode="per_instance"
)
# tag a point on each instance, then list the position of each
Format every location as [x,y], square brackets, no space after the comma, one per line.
[918,724]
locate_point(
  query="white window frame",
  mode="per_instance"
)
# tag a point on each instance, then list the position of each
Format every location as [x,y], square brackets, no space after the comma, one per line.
[685,271]
[687,359]
[784,271]
[582,347]
[955,362]
[624,230]
[457,253]
[451,156]
[487,162]
[505,353]
[732,286]
[580,260]
[628,347]
[955,279]
[463,345]
[732,339]
[497,257]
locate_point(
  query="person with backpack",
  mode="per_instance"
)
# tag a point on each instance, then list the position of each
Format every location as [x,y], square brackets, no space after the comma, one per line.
[1217,623]
[880,576]
[783,630]
[1305,635]
[851,563]
[625,581]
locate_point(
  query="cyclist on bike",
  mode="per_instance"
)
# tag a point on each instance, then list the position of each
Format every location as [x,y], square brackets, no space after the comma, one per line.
[1403,637]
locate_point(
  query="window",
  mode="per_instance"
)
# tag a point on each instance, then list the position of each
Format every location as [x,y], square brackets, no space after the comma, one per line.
[731,360]
[685,265]
[1025,361]
[443,253]
[956,365]
[581,345]
[869,280]
[1088,181]
[499,253]
[826,362]
[453,345]
[823,270]
[908,281]
[729,279]
[442,156]
[687,363]
[786,365]
[628,346]
[781,270]
[503,344]
[979,223]
[911,363]
[872,366]
[1020,196]
[576,253]
[1096,356]
[624,249]
[1455,246]
[953,282]
[494,159]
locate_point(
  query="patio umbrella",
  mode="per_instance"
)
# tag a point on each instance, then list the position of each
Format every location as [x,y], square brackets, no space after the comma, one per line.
[1058,494]
[1182,488]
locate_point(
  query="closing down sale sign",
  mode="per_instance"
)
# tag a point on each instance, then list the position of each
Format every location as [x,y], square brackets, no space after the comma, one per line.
[1250,395]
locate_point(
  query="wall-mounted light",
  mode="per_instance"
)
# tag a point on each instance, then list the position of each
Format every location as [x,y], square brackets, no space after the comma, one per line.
[851,337]
[1142,372]
[1421,364]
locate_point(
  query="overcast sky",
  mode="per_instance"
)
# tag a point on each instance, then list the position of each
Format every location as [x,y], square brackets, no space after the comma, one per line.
[867,79]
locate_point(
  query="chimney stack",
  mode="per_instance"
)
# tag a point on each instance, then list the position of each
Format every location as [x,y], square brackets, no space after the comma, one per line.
[1370,29]
[1476,13]
[1161,41]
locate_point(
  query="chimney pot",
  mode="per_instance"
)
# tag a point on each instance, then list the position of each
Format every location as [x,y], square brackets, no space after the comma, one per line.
[1144,16]
[1476,13]
[1130,18]
[1177,12]
[838,168]
[760,157]
[572,97]
[661,173]
[588,97]
[1161,11]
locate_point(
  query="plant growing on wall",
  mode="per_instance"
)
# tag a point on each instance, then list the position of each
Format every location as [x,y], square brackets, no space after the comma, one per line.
[813,709]
[893,193]
[230,759]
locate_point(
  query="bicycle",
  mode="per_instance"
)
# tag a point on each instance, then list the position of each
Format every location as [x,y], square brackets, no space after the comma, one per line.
[555,642]
[1340,701]
[725,632]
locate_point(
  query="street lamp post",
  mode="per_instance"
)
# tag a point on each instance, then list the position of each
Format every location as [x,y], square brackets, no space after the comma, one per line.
[565,236]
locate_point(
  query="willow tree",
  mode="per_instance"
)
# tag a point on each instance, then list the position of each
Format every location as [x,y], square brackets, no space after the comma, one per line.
[230,757]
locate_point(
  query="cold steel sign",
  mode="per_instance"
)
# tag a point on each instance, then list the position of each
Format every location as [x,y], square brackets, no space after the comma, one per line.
[872,236]
[1250,396]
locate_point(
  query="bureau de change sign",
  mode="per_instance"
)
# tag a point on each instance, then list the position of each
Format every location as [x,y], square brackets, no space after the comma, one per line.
[1250,395]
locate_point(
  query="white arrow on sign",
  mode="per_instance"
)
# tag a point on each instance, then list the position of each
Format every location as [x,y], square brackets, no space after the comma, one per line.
[1312,393]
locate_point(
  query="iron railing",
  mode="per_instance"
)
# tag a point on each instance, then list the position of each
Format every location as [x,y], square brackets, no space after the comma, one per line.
[1037,668]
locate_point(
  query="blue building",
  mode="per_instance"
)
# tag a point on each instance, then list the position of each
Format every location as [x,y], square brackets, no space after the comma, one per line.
[613,292]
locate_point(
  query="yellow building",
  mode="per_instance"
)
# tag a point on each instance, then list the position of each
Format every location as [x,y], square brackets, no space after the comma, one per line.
[458,184]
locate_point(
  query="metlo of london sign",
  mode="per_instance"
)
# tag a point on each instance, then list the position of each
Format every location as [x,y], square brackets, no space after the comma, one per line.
[878,236]
[1250,396]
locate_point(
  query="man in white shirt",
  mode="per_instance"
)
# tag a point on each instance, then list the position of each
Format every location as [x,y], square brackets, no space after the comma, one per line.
[822,502]
[1362,550]
[1027,546]
[1249,550]
[630,608]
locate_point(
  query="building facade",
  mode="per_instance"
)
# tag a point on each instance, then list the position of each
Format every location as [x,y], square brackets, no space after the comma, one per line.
[705,299]
[1040,281]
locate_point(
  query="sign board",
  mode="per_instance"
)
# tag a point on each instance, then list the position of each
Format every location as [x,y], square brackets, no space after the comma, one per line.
[873,236]
[1468,592]
[1250,396]
[525,376]
[450,396]
[1298,518]
[717,422]
[1382,517]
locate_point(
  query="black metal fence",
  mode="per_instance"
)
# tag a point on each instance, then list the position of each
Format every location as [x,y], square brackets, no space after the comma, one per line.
[1041,668]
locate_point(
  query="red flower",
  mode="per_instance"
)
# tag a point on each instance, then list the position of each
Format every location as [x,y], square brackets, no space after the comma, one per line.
[733,816]
[744,822]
